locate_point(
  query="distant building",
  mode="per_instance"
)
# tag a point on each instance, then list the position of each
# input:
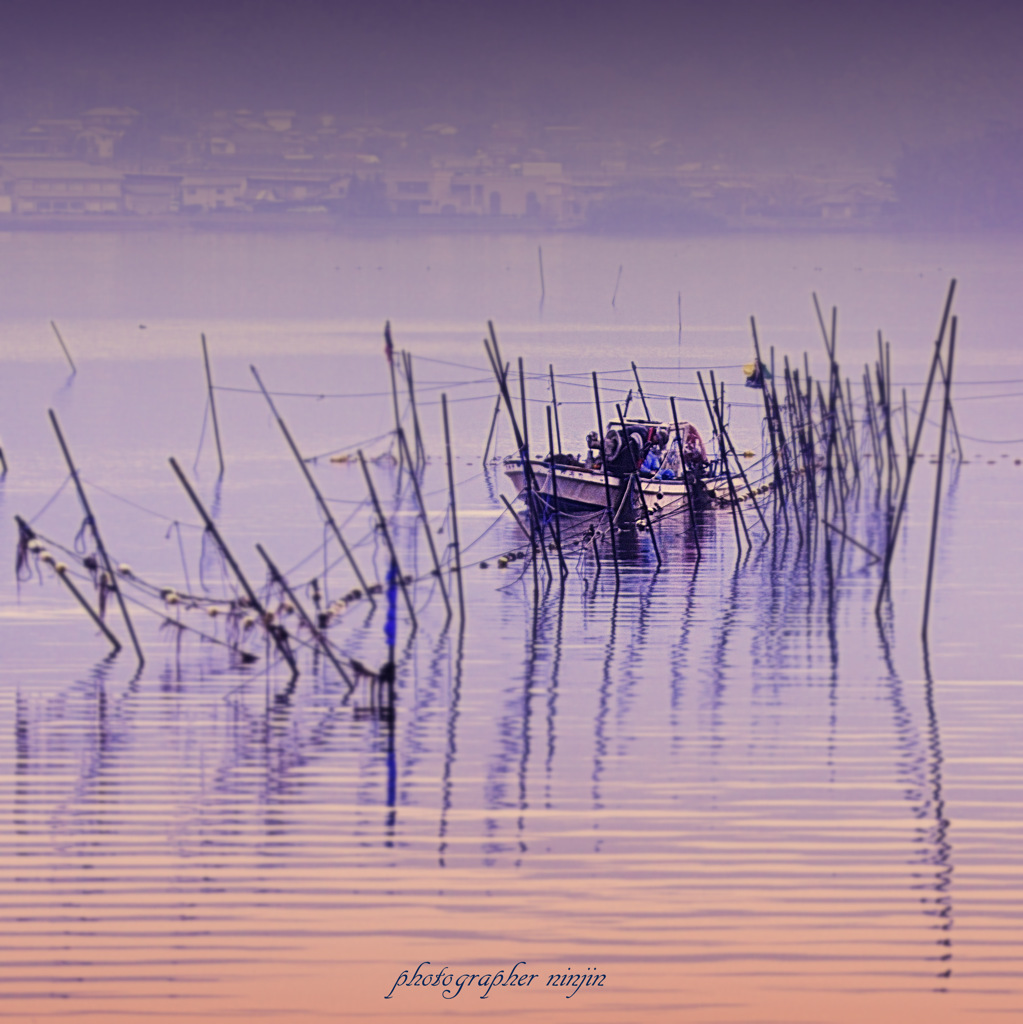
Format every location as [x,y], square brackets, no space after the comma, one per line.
[62,187]
[851,203]
[296,191]
[526,191]
[150,195]
[204,192]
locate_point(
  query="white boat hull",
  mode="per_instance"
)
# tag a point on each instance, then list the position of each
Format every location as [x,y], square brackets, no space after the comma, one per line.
[582,490]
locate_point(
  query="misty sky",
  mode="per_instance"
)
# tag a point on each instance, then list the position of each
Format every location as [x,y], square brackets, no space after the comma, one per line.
[747,80]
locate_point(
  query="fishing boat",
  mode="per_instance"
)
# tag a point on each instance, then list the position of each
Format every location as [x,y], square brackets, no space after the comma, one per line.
[661,466]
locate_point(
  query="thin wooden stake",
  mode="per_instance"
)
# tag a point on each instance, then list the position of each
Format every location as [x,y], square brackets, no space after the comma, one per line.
[517,518]
[554,402]
[937,484]
[66,580]
[318,634]
[426,528]
[607,484]
[493,425]
[690,483]
[725,445]
[639,487]
[67,355]
[213,404]
[277,633]
[733,503]
[494,355]
[739,466]
[387,536]
[454,507]
[100,546]
[767,409]
[911,460]
[532,488]
[639,387]
[554,490]
[389,353]
[420,447]
[26,532]
[324,508]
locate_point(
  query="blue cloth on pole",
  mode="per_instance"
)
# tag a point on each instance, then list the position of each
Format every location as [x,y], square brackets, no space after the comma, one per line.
[391,623]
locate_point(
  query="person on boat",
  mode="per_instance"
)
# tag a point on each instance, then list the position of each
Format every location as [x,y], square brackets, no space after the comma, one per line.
[694,452]
[648,448]
[625,450]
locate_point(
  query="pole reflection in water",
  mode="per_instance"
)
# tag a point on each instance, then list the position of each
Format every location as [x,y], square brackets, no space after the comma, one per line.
[707,754]
[728,771]
[718,784]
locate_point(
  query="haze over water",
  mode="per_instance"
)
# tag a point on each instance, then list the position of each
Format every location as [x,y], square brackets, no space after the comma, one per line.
[723,788]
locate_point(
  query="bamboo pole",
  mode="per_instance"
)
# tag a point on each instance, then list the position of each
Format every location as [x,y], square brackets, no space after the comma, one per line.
[639,387]
[100,546]
[324,508]
[63,576]
[554,490]
[493,425]
[742,472]
[618,281]
[767,410]
[277,634]
[517,518]
[532,491]
[420,447]
[554,402]
[733,503]
[953,422]
[67,354]
[213,404]
[318,634]
[389,353]
[454,508]
[689,482]
[911,460]
[426,528]
[607,484]
[639,487]
[726,443]
[937,484]
[26,532]
[382,521]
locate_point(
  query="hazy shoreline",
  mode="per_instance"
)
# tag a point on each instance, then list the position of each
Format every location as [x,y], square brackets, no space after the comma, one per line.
[374,227]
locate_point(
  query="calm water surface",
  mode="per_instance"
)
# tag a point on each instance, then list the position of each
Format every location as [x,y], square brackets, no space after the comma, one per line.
[722,787]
